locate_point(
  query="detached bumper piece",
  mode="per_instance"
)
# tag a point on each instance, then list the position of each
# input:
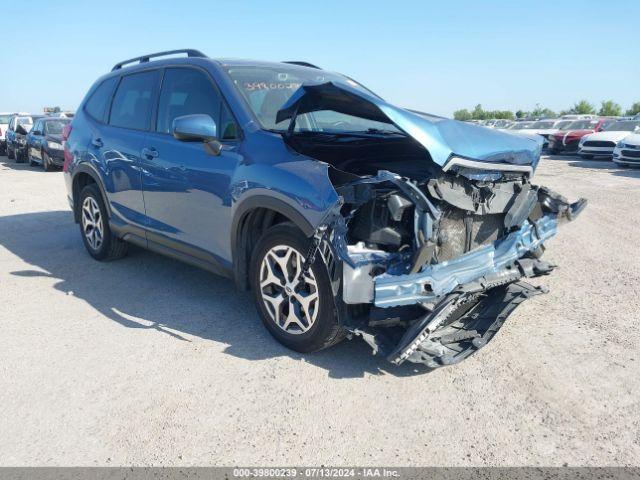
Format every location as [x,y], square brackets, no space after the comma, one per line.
[460,325]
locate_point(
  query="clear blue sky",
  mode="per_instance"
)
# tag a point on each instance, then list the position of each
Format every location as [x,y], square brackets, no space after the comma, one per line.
[432,56]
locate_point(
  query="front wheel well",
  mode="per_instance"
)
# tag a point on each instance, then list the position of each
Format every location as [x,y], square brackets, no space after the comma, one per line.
[250,228]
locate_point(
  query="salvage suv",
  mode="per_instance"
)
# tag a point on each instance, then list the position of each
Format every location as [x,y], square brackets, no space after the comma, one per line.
[345,215]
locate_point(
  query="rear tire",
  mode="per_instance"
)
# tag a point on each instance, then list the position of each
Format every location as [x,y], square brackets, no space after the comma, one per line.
[300,314]
[98,239]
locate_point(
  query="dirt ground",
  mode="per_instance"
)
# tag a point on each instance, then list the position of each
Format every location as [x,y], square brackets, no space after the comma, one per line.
[147,361]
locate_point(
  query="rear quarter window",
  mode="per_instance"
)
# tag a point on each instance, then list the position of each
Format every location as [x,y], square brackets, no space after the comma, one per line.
[98,104]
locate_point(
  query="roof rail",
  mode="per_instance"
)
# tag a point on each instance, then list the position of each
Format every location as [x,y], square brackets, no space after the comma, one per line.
[302,64]
[145,58]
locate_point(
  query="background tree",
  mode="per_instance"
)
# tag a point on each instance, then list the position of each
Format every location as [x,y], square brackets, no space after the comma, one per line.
[583,108]
[478,113]
[634,110]
[609,108]
[543,112]
[506,114]
[521,114]
[462,114]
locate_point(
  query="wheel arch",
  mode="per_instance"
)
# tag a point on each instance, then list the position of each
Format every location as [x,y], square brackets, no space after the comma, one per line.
[252,217]
[83,175]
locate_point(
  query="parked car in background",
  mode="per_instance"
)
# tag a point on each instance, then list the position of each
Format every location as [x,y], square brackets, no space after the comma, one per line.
[544,128]
[5,118]
[330,204]
[627,151]
[604,142]
[61,114]
[524,129]
[567,139]
[19,127]
[578,116]
[523,125]
[44,142]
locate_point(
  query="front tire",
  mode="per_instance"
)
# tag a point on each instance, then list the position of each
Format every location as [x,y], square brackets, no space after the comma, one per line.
[46,163]
[98,239]
[298,310]
[10,153]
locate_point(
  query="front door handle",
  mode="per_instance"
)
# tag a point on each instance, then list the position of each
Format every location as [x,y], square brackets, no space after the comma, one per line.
[150,153]
[97,142]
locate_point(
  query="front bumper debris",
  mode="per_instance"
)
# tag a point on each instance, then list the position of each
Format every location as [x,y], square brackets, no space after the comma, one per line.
[460,325]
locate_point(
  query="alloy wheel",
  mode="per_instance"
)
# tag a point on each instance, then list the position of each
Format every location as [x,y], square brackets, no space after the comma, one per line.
[92,223]
[289,294]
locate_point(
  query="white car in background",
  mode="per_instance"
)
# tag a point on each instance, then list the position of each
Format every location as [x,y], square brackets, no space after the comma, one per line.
[578,117]
[4,124]
[627,151]
[604,142]
[546,127]
[524,129]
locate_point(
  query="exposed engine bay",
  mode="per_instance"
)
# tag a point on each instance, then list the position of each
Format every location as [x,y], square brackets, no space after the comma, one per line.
[428,261]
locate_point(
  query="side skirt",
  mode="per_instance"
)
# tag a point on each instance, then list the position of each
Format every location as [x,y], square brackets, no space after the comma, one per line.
[170,248]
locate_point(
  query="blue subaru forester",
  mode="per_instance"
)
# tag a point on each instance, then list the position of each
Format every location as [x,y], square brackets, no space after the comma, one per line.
[345,215]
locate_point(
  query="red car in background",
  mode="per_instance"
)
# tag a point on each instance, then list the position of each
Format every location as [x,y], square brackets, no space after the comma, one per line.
[566,140]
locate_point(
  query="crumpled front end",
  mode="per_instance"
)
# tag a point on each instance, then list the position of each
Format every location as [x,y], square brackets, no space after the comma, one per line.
[431,270]
[437,227]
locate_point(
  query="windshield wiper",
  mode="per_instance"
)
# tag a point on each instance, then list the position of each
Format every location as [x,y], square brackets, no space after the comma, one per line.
[378,131]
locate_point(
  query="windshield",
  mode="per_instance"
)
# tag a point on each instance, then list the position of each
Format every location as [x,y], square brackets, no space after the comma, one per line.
[5,119]
[625,126]
[266,89]
[521,126]
[582,125]
[25,121]
[54,127]
[545,124]
[564,124]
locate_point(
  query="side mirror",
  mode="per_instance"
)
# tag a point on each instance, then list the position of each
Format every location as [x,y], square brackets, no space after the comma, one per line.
[194,128]
[36,132]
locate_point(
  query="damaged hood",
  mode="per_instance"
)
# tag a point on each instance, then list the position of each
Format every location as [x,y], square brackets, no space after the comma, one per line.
[441,137]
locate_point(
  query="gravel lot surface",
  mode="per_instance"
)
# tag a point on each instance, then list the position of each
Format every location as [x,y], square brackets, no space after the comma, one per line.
[147,361]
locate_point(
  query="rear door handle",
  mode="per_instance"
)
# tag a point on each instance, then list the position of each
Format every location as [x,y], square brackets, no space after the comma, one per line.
[150,153]
[97,142]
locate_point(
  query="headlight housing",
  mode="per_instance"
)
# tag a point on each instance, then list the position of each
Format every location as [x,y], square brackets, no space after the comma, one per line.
[54,145]
[22,140]
[620,144]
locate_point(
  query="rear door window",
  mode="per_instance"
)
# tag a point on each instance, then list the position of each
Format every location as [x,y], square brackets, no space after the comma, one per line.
[98,105]
[186,91]
[132,102]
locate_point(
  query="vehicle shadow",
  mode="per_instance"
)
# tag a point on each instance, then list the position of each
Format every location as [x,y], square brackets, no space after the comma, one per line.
[597,163]
[13,165]
[627,172]
[151,292]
